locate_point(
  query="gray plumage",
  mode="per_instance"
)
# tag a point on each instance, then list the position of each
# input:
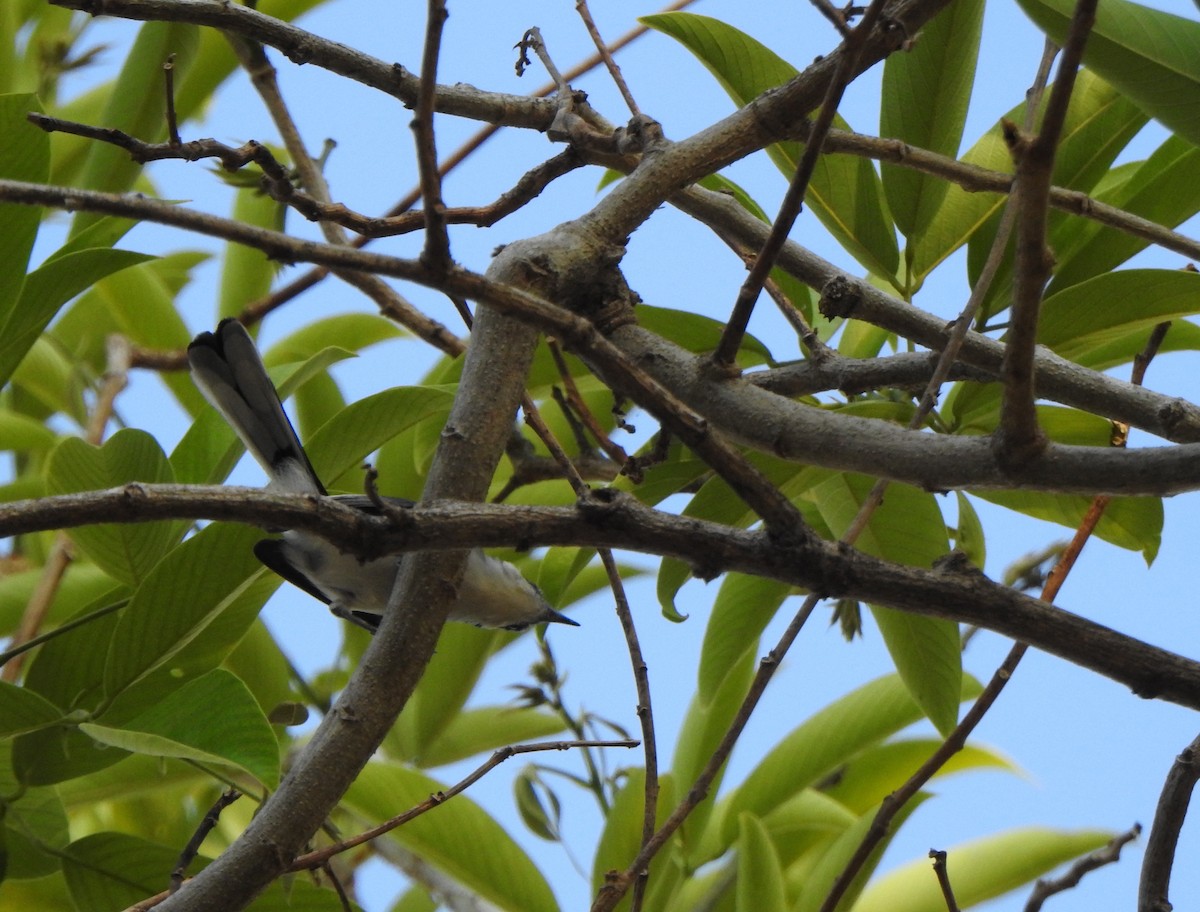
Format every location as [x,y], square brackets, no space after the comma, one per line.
[227,369]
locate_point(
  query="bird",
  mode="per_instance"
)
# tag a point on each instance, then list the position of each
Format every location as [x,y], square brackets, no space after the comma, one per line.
[228,371]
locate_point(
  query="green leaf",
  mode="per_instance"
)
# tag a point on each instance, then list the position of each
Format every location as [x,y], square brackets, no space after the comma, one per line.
[247,273]
[114,870]
[450,838]
[845,192]
[741,611]
[350,331]
[475,731]
[980,870]
[126,551]
[831,737]
[208,575]
[806,821]
[1151,56]
[24,156]
[969,535]
[135,105]
[907,528]
[461,656]
[1100,122]
[1164,189]
[1133,523]
[621,839]
[925,94]
[820,879]
[760,885]
[703,727]
[211,719]
[1106,320]
[880,770]
[338,449]
[47,289]
[141,303]
[22,710]
[22,434]
[34,827]
[699,334]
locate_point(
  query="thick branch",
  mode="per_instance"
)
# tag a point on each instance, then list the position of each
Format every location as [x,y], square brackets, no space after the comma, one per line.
[1057,378]
[749,414]
[624,523]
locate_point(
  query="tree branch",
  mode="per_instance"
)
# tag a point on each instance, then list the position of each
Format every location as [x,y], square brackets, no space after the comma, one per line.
[619,521]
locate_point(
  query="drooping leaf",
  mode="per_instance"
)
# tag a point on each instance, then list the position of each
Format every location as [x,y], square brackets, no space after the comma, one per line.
[212,719]
[907,528]
[475,731]
[925,95]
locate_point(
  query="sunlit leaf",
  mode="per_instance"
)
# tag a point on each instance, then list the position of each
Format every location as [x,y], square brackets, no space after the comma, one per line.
[980,870]
[760,886]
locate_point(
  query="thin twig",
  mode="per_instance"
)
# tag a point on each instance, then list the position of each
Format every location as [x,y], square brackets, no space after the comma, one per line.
[789,209]
[943,877]
[1019,437]
[228,797]
[317,858]
[1109,854]
[436,253]
[606,55]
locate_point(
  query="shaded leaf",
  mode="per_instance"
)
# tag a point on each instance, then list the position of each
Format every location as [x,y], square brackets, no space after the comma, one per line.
[1150,55]
[211,719]
[925,94]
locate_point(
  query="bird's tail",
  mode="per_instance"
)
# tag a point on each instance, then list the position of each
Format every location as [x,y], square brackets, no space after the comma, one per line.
[229,372]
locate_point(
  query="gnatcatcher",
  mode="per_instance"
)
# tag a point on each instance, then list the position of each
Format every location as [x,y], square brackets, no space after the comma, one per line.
[229,372]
